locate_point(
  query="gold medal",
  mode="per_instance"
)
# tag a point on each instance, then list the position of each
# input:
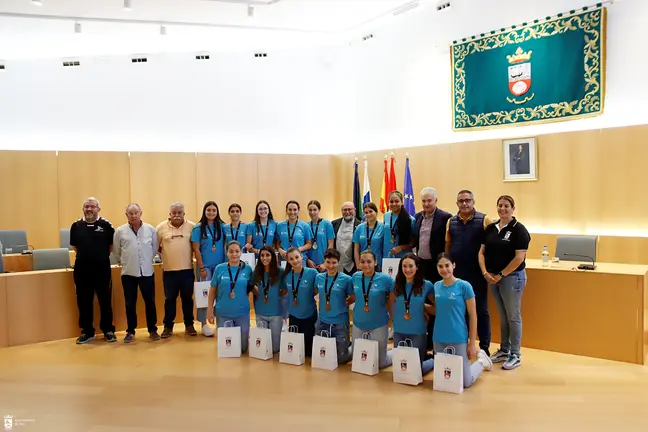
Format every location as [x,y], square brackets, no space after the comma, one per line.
[367,308]
[232,294]
[393,240]
[295,303]
[213,248]
[265,300]
[407,316]
[315,246]
[328,306]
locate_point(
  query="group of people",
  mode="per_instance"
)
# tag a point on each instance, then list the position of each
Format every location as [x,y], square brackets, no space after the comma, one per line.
[437,300]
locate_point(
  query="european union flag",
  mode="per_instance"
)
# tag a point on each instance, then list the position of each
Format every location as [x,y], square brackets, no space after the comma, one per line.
[409,190]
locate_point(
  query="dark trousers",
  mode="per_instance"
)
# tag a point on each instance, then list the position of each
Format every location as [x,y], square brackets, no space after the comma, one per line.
[178,282]
[431,274]
[147,286]
[480,286]
[88,280]
[306,326]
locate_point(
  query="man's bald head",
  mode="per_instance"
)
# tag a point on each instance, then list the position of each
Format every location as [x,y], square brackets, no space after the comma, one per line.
[348,211]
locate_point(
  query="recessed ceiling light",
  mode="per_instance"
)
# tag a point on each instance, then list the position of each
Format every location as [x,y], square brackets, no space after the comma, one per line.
[37,2]
[163,30]
[77,27]
[128,5]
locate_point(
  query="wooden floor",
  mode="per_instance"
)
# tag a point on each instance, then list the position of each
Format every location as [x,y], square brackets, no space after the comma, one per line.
[180,385]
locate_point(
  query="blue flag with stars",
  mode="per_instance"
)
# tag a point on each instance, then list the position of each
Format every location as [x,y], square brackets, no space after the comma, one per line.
[409,190]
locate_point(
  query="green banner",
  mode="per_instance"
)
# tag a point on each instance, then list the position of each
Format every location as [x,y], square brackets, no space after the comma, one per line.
[546,71]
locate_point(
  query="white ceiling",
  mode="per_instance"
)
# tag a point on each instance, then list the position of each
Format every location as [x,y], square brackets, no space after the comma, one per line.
[30,31]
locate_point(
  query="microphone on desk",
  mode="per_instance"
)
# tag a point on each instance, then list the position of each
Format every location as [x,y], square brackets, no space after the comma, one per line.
[584,266]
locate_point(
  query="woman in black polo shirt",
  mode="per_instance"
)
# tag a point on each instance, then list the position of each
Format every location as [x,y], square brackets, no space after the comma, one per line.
[501,259]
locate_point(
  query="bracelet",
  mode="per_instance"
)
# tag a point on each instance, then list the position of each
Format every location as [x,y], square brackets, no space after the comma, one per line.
[202,268]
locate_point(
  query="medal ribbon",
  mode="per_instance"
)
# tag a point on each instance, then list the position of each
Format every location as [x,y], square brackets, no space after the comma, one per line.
[264,234]
[238,228]
[265,284]
[290,236]
[213,234]
[407,298]
[316,230]
[366,293]
[233,280]
[330,288]
[391,225]
[369,237]
[295,289]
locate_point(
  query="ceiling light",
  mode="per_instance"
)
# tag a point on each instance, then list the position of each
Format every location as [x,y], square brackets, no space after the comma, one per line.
[163,30]
[250,11]
[77,27]
[127,5]
[37,2]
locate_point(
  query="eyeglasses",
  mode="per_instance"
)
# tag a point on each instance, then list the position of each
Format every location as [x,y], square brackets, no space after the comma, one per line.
[347,210]
[464,201]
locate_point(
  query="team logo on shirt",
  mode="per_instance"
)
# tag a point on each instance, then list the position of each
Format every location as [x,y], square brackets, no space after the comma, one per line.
[322,352]
[507,236]
[447,373]
[451,296]
[363,356]
[290,347]
[258,342]
[404,365]
[99,229]
[228,342]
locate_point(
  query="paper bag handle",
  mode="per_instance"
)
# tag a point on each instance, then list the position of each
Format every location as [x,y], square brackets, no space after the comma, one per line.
[406,343]
[290,329]
[449,350]
[328,335]
[230,322]
[367,335]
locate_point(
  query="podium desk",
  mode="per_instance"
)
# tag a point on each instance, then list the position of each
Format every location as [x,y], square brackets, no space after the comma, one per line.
[40,306]
[24,262]
[600,313]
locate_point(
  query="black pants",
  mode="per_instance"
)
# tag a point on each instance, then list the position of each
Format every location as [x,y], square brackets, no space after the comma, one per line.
[88,280]
[178,282]
[430,273]
[147,286]
[306,326]
[480,286]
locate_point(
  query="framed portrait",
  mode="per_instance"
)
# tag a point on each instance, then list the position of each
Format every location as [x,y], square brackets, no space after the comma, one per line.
[520,159]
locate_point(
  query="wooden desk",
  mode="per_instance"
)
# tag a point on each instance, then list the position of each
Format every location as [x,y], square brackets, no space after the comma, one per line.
[39,306]
[24,262]
[601,313]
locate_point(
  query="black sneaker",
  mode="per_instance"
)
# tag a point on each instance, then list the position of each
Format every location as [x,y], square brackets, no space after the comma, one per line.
[84,339]
[130,337]
[154,336]
[110,337]
[167,333]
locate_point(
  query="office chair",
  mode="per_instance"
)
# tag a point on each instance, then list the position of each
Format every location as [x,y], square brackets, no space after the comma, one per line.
[51,259]
[13,241]
[64,238]
[583,246]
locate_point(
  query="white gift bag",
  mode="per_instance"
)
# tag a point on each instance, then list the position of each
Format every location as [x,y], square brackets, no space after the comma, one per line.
[365,355]
[324,352]
[260,344]
[201,293]
[249,259]
[406,364]
[292,350]
[448,371]
[390,266]
[229,340]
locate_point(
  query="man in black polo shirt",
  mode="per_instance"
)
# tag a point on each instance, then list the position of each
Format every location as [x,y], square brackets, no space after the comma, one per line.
[92,239]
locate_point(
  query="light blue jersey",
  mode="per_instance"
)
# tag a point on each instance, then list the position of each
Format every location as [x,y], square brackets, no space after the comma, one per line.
[212,248]
[390,230]
[377,291]
[416,324]
[305,289]
[224,276]
[337,294]
[450,325]
[238,233]
[322,232]
[363,235]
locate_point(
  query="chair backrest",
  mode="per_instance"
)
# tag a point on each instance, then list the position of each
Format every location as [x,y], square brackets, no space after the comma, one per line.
[577,245]
[64,238]
[1,263]
[13,240]
[51,259]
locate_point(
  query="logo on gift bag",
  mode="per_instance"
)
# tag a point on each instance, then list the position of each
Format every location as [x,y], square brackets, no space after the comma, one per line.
[447,373]
[404,365]
[322,352]
[228,341]
[290,346]
[258,342]
[363,356]
[8,422]
[205,293]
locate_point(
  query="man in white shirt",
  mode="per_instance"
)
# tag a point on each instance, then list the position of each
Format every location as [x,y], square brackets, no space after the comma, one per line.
[134,246]
[344,228]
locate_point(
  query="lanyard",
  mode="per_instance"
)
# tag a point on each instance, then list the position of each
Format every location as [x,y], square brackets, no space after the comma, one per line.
[213,234]
[407,298]
[295,289]
[365,292]
[233,280]
[264,234]
[327,293]
[290,236]
[265,284]
[373,231]
[238,228]
[316,230]
[391,225]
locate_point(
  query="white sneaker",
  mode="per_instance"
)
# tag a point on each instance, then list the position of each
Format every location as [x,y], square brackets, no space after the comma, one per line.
[207,330]
[485,360]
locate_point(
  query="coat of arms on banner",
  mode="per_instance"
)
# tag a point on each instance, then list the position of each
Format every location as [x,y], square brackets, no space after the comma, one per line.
[519,75]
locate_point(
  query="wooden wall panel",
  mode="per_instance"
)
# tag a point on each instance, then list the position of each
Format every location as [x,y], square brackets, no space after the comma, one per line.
[104,175]
[30,196]
[227,179]
[4,323]
[158,179]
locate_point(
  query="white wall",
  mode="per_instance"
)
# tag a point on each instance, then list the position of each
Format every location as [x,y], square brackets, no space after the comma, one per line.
[391,91]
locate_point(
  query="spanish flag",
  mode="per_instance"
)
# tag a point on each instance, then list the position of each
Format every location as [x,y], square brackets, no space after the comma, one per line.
[383,189]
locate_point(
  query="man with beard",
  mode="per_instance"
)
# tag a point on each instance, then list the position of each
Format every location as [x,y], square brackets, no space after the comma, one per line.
[344,228]
[92,240]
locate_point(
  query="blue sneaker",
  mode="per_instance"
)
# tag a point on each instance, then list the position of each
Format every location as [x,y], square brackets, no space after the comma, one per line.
[84,339]
[513,362]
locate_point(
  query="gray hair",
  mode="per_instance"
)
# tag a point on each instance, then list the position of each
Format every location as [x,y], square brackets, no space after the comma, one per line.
[133,205]
[428,190]
[464,191]
[87,200]
[176,204]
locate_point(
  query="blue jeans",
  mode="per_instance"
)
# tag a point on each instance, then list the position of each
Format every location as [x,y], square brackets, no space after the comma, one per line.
[201,313]
[420,343]
[381,334]
[243,322]
[341,334]
[470,372]
[275,324]
[508,296]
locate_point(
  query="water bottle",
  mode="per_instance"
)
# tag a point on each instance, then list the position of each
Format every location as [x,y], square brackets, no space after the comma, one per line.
[545,257]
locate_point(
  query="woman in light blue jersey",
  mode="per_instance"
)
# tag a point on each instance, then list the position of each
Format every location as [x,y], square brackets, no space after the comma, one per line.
[369,235]
[208,243]
[235,230]
[453,297]
[262,230]
[293,233]
[323,236]
[267,284]
[398,228]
